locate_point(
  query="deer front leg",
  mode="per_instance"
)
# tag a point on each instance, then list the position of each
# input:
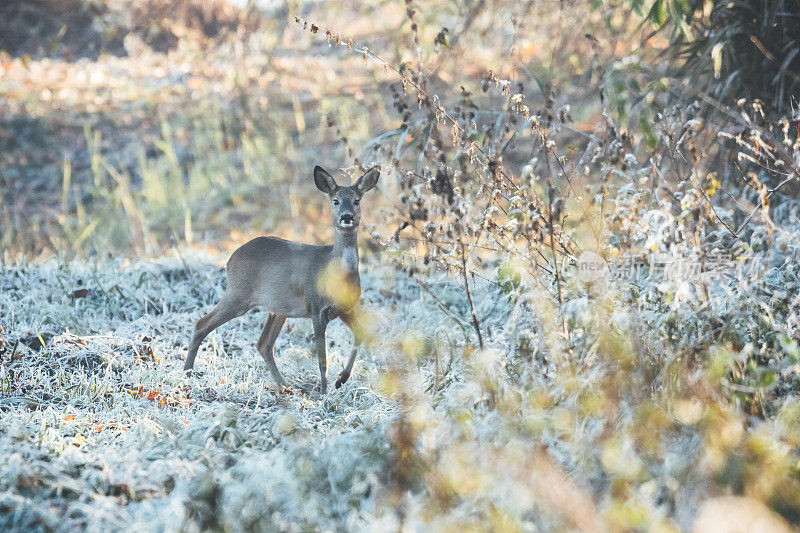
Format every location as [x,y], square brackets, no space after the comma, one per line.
[320,324]
[350,322]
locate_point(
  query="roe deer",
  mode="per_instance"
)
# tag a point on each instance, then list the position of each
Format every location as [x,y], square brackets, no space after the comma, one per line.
[292,280]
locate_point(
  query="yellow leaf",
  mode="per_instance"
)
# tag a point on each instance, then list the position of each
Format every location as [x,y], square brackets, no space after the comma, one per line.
[716,56]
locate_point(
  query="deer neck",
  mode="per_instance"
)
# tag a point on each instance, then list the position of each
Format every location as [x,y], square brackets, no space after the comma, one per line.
[345,250]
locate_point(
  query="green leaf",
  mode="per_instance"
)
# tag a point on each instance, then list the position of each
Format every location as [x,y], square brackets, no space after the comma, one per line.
[647,130]
[657,14]
[767,378]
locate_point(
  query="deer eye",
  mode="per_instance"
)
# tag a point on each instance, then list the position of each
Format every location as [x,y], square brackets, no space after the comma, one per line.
[356,201]
[335,201]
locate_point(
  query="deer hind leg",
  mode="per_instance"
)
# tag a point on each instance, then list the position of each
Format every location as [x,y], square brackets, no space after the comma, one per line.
[226,310]
[266,346]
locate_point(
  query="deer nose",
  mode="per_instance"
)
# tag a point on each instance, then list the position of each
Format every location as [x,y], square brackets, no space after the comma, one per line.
[346,219]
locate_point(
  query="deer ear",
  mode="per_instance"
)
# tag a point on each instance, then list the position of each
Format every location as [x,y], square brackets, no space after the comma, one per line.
[368,180]
[323,180]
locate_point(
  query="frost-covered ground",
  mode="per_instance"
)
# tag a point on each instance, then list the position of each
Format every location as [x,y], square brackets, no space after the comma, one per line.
[100,429]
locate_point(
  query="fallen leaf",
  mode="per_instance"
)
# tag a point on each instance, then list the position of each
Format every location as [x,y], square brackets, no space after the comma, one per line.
[80,293]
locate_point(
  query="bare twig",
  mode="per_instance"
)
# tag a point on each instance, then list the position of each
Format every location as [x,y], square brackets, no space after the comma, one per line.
[475,322]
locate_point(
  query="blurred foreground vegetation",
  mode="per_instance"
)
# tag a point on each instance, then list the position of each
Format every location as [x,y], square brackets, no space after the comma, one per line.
[504,388]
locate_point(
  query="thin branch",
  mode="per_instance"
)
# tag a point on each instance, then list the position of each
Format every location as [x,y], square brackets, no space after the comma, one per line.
[760,205]
[711,205]
[475,323]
